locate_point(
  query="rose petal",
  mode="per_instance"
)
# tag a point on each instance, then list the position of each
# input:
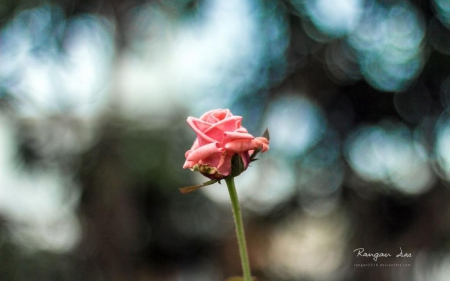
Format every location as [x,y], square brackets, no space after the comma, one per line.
[204,152]
[241,145]
[241,130]
[245,159]
[199,127]
[215,115]
[225,168]
[232,136]
[189,164]
[195,145]
[228,125]
[262,142]
[215,160]
[198,124]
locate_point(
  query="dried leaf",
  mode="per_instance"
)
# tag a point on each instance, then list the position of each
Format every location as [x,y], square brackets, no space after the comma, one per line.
[189,189]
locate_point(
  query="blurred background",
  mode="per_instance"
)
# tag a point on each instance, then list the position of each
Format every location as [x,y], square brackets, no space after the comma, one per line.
[94,97]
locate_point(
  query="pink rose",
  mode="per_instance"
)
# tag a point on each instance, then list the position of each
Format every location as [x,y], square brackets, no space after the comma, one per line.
[220,136]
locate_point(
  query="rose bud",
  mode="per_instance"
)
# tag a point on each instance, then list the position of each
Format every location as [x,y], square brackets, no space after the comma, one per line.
[223,147]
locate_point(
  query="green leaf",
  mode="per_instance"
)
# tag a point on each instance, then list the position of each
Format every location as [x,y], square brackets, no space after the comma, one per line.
[189,189]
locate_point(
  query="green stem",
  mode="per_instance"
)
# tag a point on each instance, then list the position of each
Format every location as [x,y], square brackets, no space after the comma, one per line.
[239,228]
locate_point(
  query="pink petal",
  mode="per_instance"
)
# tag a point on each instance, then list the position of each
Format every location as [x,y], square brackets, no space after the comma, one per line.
[216,115]
[189,164]
[195,145]
[199,127]
[241,145]
[215,160]
[204,152]
[228,125]
[225,168]
[241,130]
[232,136]
[262,142]
[245,158]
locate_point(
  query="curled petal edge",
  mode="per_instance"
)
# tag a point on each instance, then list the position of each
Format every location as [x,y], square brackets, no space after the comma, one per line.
[204,152]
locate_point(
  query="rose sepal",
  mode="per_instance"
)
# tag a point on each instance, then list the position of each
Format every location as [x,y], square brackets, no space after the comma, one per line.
[237,165]
[266,135]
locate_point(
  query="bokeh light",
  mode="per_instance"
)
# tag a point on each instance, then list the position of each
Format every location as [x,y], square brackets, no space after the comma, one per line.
[432,266]
[39,206]
[388,154]
[309,248]
[220,52]
[333,20]
[389,43]
[297,123]
[320,176]
[443,11]
[52,65]
[442,148]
